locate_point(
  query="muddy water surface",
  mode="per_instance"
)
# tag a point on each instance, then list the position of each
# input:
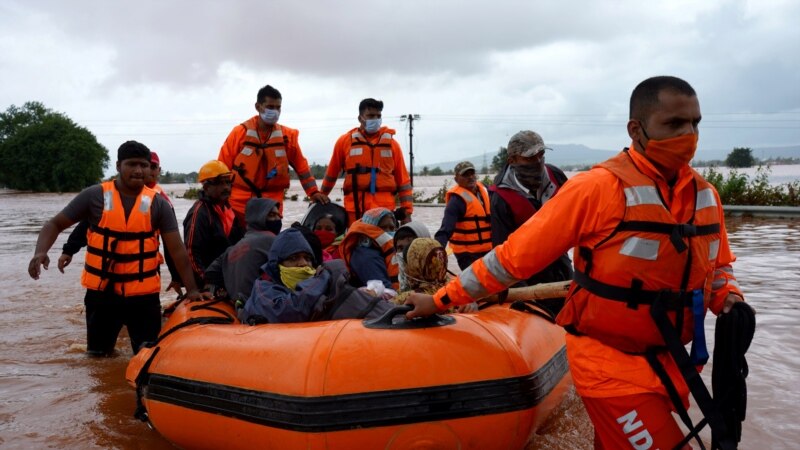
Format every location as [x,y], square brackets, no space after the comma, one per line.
[52,396]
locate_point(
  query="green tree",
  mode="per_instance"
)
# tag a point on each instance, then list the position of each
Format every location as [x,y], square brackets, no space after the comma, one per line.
[740,157]
[436,171]
[499,159]
[42,150]
[425,172]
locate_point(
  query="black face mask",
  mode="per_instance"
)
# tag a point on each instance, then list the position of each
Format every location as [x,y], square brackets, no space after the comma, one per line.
[529,176]
[273,226]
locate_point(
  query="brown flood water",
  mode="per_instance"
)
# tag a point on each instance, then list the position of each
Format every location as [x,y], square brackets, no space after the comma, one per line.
[53,396]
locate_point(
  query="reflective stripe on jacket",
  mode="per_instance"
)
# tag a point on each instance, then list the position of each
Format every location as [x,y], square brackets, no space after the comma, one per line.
[123,252]
[649,255]
[359,230]
[473,232]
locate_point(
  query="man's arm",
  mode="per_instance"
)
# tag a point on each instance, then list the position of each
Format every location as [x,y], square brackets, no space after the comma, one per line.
[232,145]
[403,181]
[47,236]
[194,235]
[334,167]
[75,241]
[725,290]
[173,244]
[300,165]
[453,212]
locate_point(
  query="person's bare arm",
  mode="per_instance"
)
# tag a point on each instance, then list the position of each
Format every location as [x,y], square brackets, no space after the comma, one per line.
[174,244]
[47,236]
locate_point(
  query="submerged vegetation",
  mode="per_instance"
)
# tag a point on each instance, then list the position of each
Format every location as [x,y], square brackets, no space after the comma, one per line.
[738,189]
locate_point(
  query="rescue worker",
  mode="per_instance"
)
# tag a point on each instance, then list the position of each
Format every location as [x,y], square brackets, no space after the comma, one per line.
[520,189]
[368,249]
[210,226]
[373,166]
[237,268]
[121,275]
[77,238]
[648,231]
[467,222]
[260,151]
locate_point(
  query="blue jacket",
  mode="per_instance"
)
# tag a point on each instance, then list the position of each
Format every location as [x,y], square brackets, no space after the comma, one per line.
[270,301]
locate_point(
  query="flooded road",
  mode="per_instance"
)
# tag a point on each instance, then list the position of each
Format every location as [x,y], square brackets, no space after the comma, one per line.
[53,396]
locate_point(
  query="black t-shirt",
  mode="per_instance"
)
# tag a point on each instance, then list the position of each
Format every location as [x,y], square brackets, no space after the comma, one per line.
[88,204]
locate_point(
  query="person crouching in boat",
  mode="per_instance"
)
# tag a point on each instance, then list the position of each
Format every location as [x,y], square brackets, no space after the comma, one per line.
[287,291]
[368,249]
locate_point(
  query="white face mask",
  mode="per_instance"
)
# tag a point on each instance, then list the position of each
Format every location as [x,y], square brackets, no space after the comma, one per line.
[372,125]
[270,116]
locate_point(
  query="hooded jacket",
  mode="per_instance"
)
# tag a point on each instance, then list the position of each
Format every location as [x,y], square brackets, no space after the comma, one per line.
[270,300]
[240,265]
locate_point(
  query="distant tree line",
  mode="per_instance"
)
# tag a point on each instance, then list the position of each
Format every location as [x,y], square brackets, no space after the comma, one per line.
[45,151]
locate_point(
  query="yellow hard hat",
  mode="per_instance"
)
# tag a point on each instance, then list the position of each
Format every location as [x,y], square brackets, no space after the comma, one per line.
[213,169]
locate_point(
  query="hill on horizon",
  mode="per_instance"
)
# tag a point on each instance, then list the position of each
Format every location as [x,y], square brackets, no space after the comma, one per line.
[578,154]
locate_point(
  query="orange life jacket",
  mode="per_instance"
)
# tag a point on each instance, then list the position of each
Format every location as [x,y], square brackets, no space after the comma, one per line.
[124,252]
[357,231]
[649,256]
[473,233]
[262,167]
[372,166]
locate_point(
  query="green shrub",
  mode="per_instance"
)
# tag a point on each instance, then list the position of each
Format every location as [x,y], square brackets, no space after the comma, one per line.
[738,189]
[192,193]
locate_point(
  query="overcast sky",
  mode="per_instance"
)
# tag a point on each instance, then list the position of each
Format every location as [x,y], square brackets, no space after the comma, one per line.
[178,75]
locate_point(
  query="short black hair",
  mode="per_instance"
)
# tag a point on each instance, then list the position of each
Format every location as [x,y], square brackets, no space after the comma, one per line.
[267,91]
[133,149]
[369,103]
[645,96]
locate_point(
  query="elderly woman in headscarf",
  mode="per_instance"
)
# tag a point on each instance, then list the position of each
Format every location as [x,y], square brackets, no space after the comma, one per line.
[368,249]
[425,269]
[402,239]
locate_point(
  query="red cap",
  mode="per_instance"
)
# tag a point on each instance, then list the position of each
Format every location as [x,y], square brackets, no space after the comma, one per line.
[154,158]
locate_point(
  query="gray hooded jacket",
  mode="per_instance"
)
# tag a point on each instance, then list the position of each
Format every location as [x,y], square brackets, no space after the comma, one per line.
[239,266]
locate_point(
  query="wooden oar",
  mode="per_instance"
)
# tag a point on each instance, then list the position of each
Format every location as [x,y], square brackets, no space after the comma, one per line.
[537,291]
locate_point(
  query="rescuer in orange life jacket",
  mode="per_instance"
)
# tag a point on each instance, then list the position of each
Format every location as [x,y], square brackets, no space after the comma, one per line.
[647,229]
[259,151]
[121,273]
[373,166]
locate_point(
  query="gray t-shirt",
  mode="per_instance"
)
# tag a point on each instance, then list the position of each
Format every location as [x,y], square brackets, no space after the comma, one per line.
[88,204]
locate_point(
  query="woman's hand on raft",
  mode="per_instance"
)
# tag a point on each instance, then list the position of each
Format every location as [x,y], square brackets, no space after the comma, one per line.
[423,305]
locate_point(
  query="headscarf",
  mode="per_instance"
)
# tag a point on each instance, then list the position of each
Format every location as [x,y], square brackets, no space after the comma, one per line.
[425,267]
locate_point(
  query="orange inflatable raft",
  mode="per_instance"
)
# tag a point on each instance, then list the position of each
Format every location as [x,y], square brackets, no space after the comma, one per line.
[466,381]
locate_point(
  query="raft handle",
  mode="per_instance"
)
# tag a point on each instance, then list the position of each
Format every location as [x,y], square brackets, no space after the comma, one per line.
[387,320]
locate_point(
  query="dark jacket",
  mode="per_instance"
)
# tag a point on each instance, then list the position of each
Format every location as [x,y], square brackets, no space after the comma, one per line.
[239,266]
[270,300]
[205,237]
[504,223]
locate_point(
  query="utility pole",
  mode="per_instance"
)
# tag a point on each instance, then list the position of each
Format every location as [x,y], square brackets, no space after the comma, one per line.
[410,118]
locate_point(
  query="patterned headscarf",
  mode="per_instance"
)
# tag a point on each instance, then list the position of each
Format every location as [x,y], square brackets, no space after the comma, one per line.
[373,216]
[425,267]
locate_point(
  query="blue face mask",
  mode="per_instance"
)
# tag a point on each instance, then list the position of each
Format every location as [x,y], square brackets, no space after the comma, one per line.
[270,116]
[372,125]
[390,233]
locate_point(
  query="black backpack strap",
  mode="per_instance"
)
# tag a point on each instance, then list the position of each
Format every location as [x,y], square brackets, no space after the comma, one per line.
[719,431]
